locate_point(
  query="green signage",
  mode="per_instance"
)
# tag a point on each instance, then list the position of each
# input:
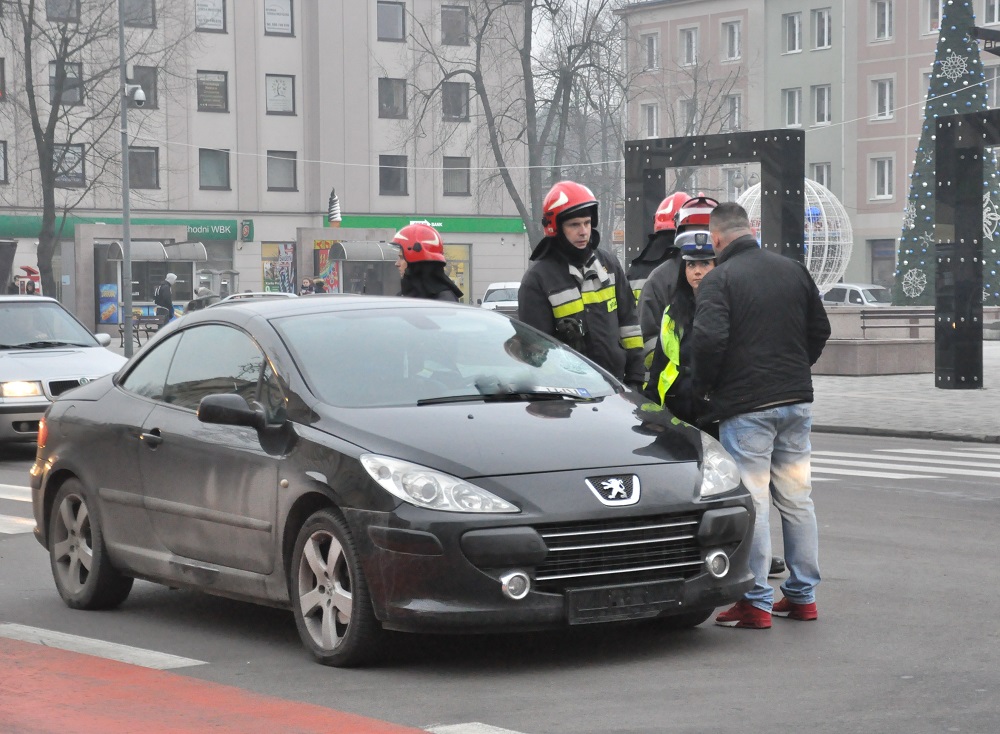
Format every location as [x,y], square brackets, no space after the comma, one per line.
[497,225]
[197,229]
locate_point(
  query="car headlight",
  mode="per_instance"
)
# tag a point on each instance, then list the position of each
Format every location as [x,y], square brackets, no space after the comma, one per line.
[425,487]
[21,389]
[719,472]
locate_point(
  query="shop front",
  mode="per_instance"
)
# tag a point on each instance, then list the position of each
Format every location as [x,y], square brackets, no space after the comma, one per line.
[151,261]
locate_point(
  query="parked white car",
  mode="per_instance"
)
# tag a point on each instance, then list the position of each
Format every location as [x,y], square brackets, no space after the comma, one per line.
[501,297]
[858,294]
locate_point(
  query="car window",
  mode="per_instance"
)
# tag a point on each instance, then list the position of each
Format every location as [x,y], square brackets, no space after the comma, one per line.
[501,294]
[213,359]
[835,295]
[30,322]
[148,377]
[855,297]
[380,357]
[878,295]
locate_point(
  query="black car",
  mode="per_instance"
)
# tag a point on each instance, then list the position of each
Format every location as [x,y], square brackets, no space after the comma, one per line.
[378,463]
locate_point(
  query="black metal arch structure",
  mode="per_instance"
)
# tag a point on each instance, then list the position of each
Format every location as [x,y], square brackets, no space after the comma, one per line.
[960,147]
[782,158]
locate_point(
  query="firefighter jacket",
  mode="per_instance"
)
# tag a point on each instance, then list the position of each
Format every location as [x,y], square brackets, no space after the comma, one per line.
[590,308]
[657,293]
[759,325]
[658,249]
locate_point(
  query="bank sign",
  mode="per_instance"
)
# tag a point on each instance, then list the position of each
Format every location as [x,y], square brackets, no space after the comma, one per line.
[197,229]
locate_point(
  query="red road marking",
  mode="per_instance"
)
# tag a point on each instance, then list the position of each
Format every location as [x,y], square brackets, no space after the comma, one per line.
[48,691]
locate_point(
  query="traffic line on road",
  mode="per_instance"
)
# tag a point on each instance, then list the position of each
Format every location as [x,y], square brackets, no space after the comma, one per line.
[939,471]
[99,648]
[11,525]
[860,473]
[52,691]
[13,492]
[473,727]
[912,459]
[987,453]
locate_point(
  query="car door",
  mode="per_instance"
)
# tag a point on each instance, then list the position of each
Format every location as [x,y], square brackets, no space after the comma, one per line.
[211,490]
[835,295]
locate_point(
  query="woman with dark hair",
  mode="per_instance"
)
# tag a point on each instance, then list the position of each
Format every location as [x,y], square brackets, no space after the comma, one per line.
[421,264]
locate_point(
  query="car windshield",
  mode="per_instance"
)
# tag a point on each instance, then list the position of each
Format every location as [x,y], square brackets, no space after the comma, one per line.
[40,324]
[878,295]
[501,294]
[381,357]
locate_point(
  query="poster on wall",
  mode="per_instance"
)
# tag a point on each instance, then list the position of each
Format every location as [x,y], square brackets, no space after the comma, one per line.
[278,262]
[278,17]
[108,304]
[328,270]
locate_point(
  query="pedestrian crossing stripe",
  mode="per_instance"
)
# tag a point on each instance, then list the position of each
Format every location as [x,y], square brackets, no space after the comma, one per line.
[10,525]
[937,468]
[873,474]
[976,453]
[13,492]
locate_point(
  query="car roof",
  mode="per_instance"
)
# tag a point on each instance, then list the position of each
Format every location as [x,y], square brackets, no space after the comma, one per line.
[316,303]
[29,299]
[508,284]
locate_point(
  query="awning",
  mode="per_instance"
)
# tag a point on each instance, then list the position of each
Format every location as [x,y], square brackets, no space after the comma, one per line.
[363,251]
[153,251]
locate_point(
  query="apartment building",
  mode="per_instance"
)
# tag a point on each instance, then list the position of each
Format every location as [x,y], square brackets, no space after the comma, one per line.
[271,105]
[853,74]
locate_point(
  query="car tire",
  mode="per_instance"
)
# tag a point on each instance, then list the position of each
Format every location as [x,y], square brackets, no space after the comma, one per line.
[685,621]
[330,598]
[81,568]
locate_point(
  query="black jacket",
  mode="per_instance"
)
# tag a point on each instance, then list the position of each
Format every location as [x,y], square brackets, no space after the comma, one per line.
[163,298]
[551,295]
[759,325]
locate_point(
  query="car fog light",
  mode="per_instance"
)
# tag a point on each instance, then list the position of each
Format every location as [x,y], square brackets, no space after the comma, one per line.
[717,564]
[515,585]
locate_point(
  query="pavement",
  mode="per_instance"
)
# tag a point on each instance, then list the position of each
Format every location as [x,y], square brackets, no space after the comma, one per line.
[907,406]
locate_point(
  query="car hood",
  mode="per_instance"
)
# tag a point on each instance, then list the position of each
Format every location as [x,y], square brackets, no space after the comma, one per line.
[490,439]
[58,362]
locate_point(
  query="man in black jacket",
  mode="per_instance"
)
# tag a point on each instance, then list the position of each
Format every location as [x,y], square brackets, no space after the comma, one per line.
[759,325]
[163,297]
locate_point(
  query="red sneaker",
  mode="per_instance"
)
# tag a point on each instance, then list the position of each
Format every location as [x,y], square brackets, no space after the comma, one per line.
[746,615]
[801,612]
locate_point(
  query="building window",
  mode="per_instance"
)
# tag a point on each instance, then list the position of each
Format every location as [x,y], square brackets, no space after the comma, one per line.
[992,14]
[68,164]
[792,105]
[213,169]
[210,16]
[689,46]
[650,116]
[792,27]
[650,43]
[143,168]
[70,90]
[882,178]
[392,98]
[821,174]
[391,23]
[213,91]
[990,85]
[882,99]
[62,11]
[281,165]
[455,101]
[882,21]
[392,175]
[454,25]
[731,112]
[279,91]
[689,116]
[732,40]
[933,15]
[822,28]
[3,162]
[278,19]
[456,176]
[822,103]
[139,13]
[145,77]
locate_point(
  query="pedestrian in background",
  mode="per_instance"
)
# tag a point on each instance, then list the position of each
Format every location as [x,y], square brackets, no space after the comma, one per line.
[307,287]
[421,264]
[204,297]
[759,325]
[30,289]
[163,297]
[319,286]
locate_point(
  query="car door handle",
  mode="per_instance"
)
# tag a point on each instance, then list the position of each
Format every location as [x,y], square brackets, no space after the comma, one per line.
[151,438]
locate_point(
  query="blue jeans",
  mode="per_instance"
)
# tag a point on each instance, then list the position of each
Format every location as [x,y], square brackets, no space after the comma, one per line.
[771,448]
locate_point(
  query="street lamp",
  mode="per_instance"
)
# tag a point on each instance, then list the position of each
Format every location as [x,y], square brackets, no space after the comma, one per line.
[129,91]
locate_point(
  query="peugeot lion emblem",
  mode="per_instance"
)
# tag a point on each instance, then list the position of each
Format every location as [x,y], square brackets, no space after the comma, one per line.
[615,490]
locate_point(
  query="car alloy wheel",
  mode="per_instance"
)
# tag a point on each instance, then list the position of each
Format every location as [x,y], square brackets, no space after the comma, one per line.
[330,599]
[81,568]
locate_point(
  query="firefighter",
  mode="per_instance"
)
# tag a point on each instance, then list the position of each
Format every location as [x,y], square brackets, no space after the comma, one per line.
[579,293]
[421,264]
[660,246]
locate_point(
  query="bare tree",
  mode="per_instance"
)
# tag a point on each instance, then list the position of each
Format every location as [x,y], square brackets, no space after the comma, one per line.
[63,75]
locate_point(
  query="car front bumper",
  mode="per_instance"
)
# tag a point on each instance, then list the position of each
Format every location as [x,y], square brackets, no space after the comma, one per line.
[19,420]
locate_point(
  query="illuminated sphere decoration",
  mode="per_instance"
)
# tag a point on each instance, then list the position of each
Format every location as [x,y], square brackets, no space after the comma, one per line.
[828,239]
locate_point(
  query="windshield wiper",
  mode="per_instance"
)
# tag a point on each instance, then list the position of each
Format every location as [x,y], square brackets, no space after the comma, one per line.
[45,343]
[506,393]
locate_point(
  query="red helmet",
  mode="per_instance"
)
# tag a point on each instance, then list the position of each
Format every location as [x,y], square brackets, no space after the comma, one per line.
[419,242]
[664,219]
[695,211]
[563,199]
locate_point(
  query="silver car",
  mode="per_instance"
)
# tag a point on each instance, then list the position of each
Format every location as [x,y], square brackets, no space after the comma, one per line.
[44,351]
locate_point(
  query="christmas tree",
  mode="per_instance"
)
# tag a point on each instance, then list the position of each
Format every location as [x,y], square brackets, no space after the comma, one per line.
[956,87]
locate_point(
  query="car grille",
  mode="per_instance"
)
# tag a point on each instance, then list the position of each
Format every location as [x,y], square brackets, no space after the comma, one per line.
[618,552]
[58,387]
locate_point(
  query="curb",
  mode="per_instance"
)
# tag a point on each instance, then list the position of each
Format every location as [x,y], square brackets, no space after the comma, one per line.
[901,433]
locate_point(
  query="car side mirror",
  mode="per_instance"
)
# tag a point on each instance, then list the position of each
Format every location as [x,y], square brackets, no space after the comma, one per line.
[103,339]
[230,410]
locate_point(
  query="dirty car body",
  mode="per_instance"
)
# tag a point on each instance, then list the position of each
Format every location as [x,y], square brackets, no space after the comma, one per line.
[378,463]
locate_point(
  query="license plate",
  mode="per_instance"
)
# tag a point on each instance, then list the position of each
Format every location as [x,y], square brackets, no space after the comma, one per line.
[628,601]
